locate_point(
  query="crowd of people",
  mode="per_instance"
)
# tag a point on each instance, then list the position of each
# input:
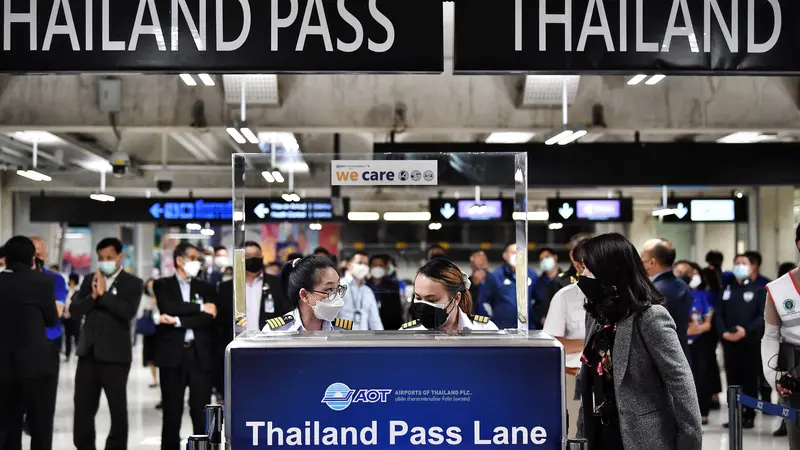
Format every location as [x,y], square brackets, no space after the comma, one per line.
[663,319]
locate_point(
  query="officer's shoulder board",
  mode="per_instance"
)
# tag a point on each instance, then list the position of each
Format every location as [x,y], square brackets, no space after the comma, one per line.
[411,324]
[480,319]
[278,322]
[343,323]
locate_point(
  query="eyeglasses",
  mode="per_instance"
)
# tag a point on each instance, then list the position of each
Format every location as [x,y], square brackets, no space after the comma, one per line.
[333,294]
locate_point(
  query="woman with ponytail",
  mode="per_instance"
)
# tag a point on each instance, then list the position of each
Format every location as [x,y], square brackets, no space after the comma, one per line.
[313,288]
[442,300]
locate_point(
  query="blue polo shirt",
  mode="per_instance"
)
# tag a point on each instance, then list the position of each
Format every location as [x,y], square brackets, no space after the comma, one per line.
[54,332]
[499,291]
[728,278]
[701,308]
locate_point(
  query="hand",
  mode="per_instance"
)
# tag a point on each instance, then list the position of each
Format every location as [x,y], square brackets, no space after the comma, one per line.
[60,308]
[728,336]
[741,332]
[166,319]
[479,276]
[783,392]
[210,309]
[694,329]
[101,283]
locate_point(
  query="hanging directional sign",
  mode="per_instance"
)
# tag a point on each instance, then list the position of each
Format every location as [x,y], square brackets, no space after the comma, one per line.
[653,36]
[569,210]
[451,209]
[222,36]
[687,209]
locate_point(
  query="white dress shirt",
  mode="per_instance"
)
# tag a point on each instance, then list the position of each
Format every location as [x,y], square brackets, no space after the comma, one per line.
[360,306]
[566,319]
[253,302]
[186,291]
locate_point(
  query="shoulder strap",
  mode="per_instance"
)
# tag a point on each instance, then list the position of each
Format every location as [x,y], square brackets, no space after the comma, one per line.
[343,323]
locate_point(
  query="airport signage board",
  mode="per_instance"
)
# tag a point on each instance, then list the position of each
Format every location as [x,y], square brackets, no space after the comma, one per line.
[453,210]
[627,36]
[572,210]
[222,36]
[384,173]
[184,210]
[708,210]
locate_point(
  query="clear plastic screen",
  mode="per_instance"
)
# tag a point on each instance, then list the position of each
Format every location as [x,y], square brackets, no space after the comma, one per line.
[381,204]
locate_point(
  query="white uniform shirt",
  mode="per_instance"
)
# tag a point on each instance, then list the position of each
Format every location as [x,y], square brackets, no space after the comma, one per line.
[360,306]
[464,323]
[785,294]
[253,302]
[282,324]
[566,318]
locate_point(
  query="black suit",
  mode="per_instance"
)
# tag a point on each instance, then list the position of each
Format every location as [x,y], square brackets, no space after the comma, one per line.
[104,357]
[679,301]
[28,303]
[184,363]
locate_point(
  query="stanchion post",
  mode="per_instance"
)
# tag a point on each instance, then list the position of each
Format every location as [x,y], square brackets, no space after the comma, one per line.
[197,442]
[577,444]
[214,426]
[734,418]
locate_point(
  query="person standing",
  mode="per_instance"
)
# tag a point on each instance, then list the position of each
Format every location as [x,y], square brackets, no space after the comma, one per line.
[658,256]
[26,363]
[360,304]
[740,319]
[72,327]
[783,269]
[185,343]
[548,264]
[564,279]
[480,271]
[498,298]
[387,292]
[108,299]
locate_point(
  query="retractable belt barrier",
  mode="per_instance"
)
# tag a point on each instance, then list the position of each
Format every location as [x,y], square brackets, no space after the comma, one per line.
[735,413]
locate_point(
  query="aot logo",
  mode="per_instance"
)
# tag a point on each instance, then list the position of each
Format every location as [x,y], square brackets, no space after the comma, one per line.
[338,396]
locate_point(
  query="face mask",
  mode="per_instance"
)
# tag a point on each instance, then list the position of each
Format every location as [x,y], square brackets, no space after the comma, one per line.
[221,261]
[695,282]
[377,272]
[741,271]
[601,303]
[208,259]
[254,265]
[431,315]
[547,264]
[39,263]
[390,272]
[107,268]
[359,271]
[686,278]
[327,310]
[192,268]
[227,278]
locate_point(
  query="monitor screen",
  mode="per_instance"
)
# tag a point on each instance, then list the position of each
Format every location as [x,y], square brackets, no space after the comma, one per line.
[598,209]
[485,210]
[718,210]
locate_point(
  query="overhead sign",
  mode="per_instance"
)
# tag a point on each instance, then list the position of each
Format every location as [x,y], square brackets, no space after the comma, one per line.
[447,210]
[590,209]
[85,210]
[221,36]
[384,173]
[708,210]
[662,36]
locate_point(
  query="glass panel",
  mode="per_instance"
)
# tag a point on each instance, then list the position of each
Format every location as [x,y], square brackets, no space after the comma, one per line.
[299,202]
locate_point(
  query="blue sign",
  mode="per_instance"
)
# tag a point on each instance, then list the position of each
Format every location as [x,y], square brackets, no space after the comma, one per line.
[396,397]
[192,210]
[451,210]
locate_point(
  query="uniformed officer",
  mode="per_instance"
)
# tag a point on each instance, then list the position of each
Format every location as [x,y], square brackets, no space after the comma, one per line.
[312,287]
[442,300]
[739,319]
[562,280]
[780,346]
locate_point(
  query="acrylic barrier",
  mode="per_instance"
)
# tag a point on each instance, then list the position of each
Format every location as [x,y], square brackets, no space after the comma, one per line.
[395,390]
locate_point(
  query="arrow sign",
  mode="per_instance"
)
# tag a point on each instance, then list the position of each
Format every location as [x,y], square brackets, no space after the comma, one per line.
[261,211]
[566,211]
[447,211]
[156,210]
[681,211]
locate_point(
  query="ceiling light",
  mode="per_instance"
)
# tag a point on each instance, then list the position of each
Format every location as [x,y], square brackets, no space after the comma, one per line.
[207,232]
[435,226]
[277,175]
[661,212]
[654,79]
[555,226]
[74,235]
[290,197]
[315,226]
[746,137]
[34,136]
[636,80]
[268,176]
[572,137]
[739,194]
[407,216]
[249,135]
[102,197]
[557,138]
[535,216]
[206,79]
[193,227]
[509,137]
[362,216]
[293,166]
[188,79]
[236,135]
[33,175]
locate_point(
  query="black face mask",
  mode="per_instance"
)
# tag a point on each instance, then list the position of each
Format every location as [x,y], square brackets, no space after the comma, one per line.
[430,316]
[686,278]
[601,303]
[39,264]
[254,265]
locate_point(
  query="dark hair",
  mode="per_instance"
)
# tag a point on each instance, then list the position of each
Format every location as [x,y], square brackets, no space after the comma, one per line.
[797,234]
[508,244]
[664,253]
[75,277]
[616,264]
[785,268]
[181,250]
[302,273]
[19,249]
[546,249]
[321,250]
[754,256]
[294,255]
[220,247]
[711,279]
[577,250]
[714,258]
[436,247]
[2,252]
[110,242]
[384,258]
[447,273]
[743,255]
[252,244]
[357,253]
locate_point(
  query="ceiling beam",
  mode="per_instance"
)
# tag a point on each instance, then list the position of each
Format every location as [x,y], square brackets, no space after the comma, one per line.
[190,145]
[94,152]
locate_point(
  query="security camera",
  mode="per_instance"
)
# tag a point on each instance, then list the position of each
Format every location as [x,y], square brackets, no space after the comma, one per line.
[164,182]
[120,163]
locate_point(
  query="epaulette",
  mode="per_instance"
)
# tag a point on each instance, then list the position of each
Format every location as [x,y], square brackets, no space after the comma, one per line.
[343,323]
[573,280]
[413,323]
[562,274]
[523,319]
[278,322]
[241,320]
[480,319]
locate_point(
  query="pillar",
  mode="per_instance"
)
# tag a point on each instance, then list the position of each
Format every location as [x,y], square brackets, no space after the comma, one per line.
[144,240]
[776,227]
[6,209]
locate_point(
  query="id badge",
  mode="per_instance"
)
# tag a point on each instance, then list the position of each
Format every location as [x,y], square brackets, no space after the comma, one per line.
[269,305]
[357,318]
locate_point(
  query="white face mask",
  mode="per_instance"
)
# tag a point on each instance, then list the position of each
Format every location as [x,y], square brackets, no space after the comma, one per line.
[547,264]
[227,278]
[377,272]
[221,262]
[359,271]
[696,281]
[327,310]
[208,259]
[192,268]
